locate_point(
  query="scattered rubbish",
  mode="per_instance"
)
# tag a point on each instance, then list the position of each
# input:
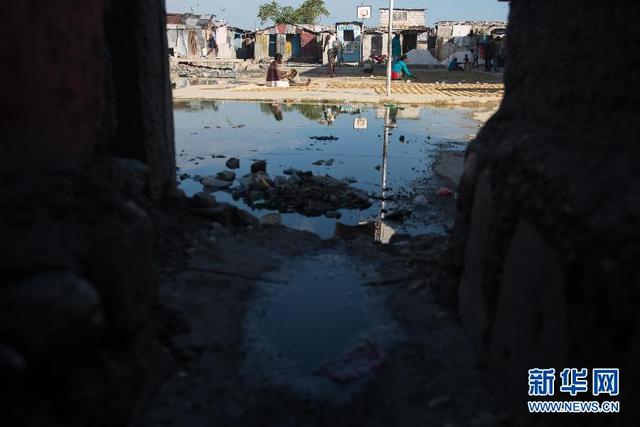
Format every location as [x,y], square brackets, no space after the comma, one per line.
[324,138]
[234,126]
[302,192]
[444,192]
[233,163]
[323,162]
[353,364]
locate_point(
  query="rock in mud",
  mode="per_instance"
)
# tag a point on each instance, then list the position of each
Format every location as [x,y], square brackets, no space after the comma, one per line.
[333,214]
[215,183]
[271,220]
[228,215]
[289,171]
[318,163]
[226,175]
[303,192]
[259,166]
[202,200]
[399,215]
[233,163]
[48,309]
[255,182]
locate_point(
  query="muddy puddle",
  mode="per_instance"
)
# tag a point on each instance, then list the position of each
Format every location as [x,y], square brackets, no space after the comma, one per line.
[387,153]
[318,326]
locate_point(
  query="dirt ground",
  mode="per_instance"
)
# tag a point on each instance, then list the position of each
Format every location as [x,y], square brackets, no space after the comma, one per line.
[430,378]
[430,87]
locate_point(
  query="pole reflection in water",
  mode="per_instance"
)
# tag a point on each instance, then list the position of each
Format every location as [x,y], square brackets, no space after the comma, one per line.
[383,232]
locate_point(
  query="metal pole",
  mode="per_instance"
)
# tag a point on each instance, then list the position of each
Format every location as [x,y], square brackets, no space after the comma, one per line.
[389,47]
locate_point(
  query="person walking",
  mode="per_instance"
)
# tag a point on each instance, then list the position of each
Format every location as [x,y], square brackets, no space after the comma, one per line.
[331,48]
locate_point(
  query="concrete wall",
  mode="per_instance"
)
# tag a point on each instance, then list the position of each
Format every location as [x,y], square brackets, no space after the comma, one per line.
[87,136]
[403,18]
[547,238]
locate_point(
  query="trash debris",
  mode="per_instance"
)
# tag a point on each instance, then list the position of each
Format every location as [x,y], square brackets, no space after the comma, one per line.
[444,192]
[354,364]
[324,138]
[301,192]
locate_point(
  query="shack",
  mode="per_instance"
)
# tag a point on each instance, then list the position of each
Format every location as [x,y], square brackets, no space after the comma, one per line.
[187,36]
[462,36]
[298,42]
[350,36]
[409,23]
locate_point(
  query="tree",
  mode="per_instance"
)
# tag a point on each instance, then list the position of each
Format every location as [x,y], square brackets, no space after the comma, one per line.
[309,12]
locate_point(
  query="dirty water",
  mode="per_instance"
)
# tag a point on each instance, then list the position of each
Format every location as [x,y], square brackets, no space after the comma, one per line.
[298,136]
[306,322]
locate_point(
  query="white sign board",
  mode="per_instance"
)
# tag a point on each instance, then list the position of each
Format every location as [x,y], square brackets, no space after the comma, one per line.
[360,123]
[364,12]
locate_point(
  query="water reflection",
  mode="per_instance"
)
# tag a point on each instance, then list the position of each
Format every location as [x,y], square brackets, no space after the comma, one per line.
[378,159]
[384,232]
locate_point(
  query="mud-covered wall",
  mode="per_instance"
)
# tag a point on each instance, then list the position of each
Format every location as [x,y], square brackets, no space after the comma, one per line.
[547,240]
[87,147]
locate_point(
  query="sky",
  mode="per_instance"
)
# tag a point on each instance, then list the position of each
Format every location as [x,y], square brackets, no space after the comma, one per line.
[242,13]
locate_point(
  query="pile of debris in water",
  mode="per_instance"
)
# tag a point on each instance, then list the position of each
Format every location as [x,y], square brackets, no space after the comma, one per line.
[297,191]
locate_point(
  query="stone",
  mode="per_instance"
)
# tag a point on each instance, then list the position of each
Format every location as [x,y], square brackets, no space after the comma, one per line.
[215,183]
[350,179]
[226,175]
[398,215]
[233,163]
[259,166]
[202,200]
[333,214]
[49,308]
[318,163]
[289,171]
[271,220]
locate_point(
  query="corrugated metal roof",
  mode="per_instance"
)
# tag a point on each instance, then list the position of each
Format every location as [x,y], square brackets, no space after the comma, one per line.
[174,18]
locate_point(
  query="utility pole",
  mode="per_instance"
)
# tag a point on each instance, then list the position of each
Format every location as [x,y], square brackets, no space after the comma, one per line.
[389,47]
